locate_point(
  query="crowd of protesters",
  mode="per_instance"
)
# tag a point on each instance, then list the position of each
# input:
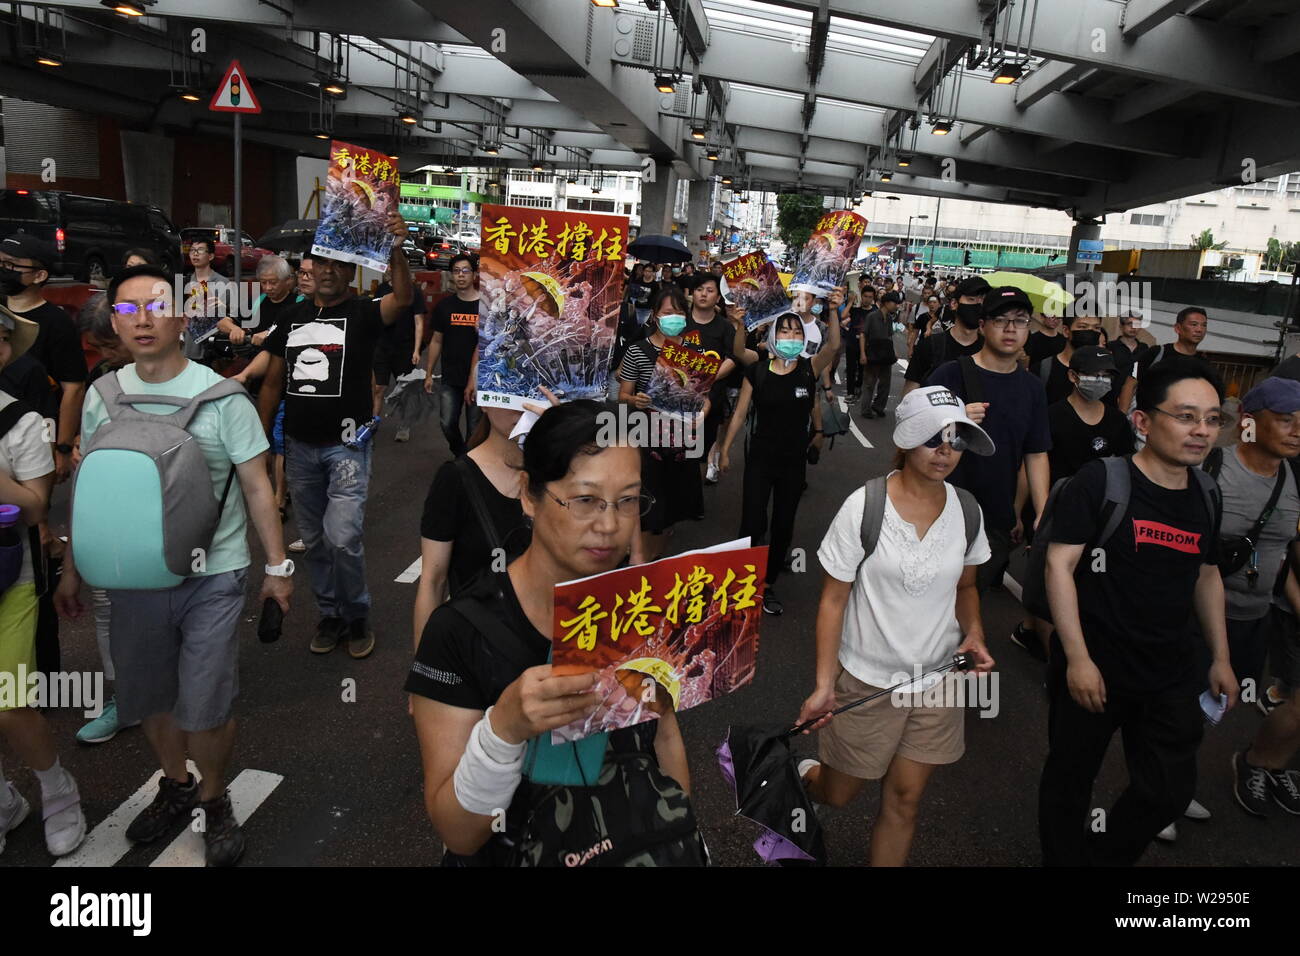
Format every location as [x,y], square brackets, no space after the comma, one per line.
[1165,530]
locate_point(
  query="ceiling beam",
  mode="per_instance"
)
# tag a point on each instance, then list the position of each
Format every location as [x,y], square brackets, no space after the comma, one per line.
[1048,78]
[1142,16]
[1148,100]
[1279,40]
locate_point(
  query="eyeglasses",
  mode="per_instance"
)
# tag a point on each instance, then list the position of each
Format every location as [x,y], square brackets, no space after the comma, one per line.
[1002,322]
[157,307]
[947,434]
[462,272]
[1188,420]
[305,273]
[587,507]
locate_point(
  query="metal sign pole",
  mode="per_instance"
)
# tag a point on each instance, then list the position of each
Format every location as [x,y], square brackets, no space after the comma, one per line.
[239,235]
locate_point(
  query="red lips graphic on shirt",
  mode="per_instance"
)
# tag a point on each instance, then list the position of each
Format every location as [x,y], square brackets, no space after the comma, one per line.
[1166,536]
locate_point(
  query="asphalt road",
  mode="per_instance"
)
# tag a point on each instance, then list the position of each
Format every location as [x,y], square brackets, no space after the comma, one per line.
[351,787]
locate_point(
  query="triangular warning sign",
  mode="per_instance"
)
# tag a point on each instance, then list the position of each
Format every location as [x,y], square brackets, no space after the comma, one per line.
[234,95]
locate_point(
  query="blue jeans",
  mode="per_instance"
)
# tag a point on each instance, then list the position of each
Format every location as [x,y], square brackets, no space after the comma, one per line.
[329,485]
[453,400]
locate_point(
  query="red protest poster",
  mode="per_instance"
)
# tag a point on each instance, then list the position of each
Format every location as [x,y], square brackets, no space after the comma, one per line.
[673,633]
[360,192]
[829,252]
[754,285]
[552,284]
[681,380]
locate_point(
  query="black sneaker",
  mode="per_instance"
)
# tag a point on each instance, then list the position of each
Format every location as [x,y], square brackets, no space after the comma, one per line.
[772,604]
[1250,785]
[223,840]
[172,805]
[1027,640]
[328,634]
[1284,788]
[361,640]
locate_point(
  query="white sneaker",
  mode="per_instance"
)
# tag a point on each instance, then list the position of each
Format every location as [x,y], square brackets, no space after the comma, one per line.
[12,812]
[297,547]
[65,824]
[1196,811]
[1169,834]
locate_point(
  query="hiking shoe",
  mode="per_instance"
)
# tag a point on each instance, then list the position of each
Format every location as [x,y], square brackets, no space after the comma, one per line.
[1270,700]
[297,547]
[65,824]
[772,604]
[173,804]
[1196,811]
[223,839]
[1169,834]
[104,727]
[328,634]
[361,640]
[1284,788]
[403,434]
[13,810]
[1027,640]
[1250,785]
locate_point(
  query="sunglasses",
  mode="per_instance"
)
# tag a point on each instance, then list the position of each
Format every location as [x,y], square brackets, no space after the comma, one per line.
[948,434]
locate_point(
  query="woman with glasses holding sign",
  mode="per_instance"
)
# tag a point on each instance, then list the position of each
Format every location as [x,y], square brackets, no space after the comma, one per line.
[898,599]
[485,700]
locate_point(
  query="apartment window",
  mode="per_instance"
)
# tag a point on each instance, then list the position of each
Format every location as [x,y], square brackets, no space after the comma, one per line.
[627,209]
[1146,219]
[534,202]
[592,205]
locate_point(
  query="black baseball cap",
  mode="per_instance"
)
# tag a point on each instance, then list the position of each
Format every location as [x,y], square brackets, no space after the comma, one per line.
[22,245]
[1092,359]
[1007,297]
[975,285]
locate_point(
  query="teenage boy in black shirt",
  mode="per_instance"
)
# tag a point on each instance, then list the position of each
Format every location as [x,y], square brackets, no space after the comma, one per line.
[1122,653]
[962,339]
[455,339]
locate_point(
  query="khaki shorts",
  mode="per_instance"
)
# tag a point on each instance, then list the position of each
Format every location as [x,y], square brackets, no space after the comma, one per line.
[862,742]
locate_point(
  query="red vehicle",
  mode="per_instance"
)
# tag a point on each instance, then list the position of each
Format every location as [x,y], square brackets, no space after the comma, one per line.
[223,237]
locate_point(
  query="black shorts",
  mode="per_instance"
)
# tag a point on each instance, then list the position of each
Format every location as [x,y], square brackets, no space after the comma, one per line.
[390,362]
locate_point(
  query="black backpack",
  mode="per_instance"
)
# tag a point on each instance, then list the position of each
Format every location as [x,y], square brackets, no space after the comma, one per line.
[1113,508]
[9,417]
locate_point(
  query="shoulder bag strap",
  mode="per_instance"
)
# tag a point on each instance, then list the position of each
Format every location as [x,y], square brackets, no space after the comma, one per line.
[873,515]
[487,621]
[1253,534]
[970,377]
[970,511]
[476,502]
[1119,488]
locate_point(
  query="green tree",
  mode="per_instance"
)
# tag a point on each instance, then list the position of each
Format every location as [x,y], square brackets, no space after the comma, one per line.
[1206,241]
[796,216]
[1273,253]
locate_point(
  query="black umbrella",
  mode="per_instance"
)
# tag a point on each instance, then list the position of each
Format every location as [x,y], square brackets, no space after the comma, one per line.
[293,235]
[659,249]
[758,763]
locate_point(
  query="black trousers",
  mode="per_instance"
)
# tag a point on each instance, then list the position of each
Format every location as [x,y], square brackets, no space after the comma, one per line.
[875,387]
[1161,733]
[780,481]
[852,367]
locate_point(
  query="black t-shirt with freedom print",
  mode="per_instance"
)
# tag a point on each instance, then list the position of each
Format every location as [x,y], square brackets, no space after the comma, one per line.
[1136,597]
[327,353]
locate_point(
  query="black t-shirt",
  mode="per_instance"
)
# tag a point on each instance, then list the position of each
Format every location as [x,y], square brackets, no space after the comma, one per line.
[1040,346]
[1057,383]
[1075,443]
[783,405]
[1016,420]
[1124,356]
[922,362]
[457,320]
[270,313]
[449,516]
[1160,354]
[327,354]
[1136,607]
[58,344]
[639,292]
[26,380]
[716,337]
[400,336]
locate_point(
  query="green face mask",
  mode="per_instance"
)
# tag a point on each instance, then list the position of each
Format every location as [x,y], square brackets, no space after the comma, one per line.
[789,348]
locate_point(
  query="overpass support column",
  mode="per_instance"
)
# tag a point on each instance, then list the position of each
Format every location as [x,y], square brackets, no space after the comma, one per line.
[697,216]
[1083,229]
[657,199]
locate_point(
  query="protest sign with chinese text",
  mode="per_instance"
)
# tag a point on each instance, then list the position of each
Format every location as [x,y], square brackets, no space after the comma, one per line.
[754,284]
[829,252]
[681,381]
[551,285]
[674,633]
[360,191]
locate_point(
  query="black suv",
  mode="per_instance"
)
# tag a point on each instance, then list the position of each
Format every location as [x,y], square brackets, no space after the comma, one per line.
[92,235]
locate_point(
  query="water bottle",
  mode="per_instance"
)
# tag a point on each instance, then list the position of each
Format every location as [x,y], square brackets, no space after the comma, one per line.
[364,433]
[11,546]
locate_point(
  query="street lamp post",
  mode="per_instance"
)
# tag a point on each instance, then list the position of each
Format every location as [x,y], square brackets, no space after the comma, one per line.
[908,242]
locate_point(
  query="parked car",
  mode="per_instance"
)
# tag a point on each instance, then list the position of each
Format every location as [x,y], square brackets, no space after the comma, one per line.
[224,253]
[92,235]
[440,252]
[414,255]
[469,240]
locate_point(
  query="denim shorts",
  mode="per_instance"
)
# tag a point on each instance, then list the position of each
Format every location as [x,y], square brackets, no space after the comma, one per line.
[177,651]
[277,432]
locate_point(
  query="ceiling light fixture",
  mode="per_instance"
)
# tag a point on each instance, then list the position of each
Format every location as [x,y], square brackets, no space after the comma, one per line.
[335,87]
[124,7]
[665,82]
[45,58]
[604,3]
[711,154]
[698,132]
[942,128]
[904,162]
[726,180]
[491,149]
[189,95]
[1008,73]
[322,135]
[409,118]
[886,177]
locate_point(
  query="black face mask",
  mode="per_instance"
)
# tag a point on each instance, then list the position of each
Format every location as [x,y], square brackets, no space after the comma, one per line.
[1085,338]
[969,315]
[11,282]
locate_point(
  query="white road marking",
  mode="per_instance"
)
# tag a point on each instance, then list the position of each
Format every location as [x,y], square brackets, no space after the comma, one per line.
[107,843]
[411,574]
[1012,585]
[853,426]
[247,793]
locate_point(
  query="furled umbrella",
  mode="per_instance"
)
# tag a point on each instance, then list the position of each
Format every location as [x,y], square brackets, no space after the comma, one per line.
[659,250]
[769,791]
[1048,297]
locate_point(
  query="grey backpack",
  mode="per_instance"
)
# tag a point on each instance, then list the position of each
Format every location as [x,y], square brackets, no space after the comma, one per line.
[143,509]
[873,515]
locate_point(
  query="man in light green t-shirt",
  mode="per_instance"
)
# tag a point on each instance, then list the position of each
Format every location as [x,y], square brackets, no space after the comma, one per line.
[176,651]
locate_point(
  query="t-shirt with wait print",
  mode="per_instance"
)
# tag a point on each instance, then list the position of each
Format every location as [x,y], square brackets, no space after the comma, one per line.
[327,353]
[457,320]
[1136,597]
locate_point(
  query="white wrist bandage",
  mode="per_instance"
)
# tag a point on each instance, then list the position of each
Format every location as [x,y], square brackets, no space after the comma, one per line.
[489,771]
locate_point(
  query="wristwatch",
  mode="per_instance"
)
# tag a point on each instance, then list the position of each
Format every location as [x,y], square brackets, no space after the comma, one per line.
[63,448]
[280,570]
